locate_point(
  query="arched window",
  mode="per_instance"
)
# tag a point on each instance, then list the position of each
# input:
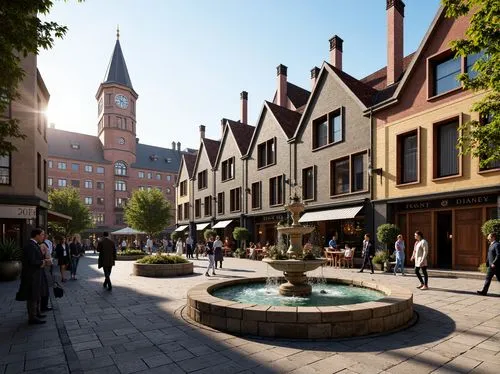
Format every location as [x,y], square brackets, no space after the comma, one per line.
[120,168]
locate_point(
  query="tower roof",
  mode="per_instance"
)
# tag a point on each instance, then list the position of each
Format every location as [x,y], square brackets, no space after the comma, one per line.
[117,69]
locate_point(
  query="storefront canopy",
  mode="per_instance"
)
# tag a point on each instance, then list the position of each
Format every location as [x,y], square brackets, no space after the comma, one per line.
[201,226]
[53,216]
[127,231]
[331,215]
[222,224]
[181,228]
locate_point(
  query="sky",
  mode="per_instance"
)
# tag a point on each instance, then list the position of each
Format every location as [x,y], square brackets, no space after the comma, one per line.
[189,59]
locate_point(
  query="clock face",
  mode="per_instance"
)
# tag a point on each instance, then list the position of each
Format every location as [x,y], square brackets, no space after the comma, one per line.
[121,101]
[121,141]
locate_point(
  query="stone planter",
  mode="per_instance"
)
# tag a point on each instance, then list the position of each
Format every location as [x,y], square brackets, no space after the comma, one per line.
[162,270]
[129,257]
[10,270]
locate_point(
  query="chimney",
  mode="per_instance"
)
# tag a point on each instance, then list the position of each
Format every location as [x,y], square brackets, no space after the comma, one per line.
[336,51]
[179,146]
[222,127]
[137,140]
[314,76]
[395,15]
[202,132]
[281,93]
[173,146]
[244,107]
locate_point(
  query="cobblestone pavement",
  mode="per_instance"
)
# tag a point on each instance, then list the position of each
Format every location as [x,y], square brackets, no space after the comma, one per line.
[138,327]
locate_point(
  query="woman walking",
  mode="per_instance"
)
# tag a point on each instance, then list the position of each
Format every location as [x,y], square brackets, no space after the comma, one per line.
[420,251]
[218,257]
[75,252]
[399,251]
[62,253]
[210,253]
[179,247]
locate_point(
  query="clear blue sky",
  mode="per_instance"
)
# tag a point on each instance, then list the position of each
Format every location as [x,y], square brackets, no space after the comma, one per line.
[189,59]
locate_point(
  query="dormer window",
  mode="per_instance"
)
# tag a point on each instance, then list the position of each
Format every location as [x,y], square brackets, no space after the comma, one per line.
[75,146]
[168,160]
[153,157]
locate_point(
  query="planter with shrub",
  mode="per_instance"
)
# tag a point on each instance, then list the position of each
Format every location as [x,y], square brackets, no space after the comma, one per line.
[381,259]
[130,255]
[10,260]
[162,266]
[240,253]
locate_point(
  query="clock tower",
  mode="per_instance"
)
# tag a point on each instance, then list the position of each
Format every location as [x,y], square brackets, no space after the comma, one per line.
[116,110]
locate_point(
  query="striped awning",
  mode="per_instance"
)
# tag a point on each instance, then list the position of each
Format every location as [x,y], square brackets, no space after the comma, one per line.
[181,228]
[331,214]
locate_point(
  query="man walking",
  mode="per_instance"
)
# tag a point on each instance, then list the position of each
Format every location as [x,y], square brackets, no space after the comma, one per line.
[368,253]
[189,247]
[493,263]
[107,255]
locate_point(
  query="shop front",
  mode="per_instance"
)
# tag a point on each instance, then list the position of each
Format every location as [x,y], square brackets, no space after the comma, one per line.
[452,226]
[264,227]
[17,221]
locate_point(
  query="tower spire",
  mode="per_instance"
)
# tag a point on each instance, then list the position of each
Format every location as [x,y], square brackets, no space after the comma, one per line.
[117,32]
[117,69]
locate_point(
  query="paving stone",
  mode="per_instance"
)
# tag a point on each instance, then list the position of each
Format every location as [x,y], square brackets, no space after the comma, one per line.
[131,366]
[14,367]
[157,360]
[45,362]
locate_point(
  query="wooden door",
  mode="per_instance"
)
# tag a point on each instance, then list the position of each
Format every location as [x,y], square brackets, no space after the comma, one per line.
[467,238]
[420,221]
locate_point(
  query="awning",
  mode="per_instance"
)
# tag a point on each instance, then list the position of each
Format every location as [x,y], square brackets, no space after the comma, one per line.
[181,228]
[332,214]
[222,224]
[53,216]
[201,226]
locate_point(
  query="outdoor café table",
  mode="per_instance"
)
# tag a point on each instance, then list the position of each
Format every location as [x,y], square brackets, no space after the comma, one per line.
[336,256]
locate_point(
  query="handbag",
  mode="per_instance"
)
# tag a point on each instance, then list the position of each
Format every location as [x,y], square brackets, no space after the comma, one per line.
[58,290]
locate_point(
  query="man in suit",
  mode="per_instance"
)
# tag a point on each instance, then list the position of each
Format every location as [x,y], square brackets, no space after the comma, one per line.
[107,255]
[493,263]
[368,253]
[31,276]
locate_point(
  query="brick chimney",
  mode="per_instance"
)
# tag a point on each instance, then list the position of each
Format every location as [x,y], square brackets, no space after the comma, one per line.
[179,146]
[173,146]
[336,51]
[202,132]
[314,76]
[222,127]
[244,107]
[395,15]
[281,94]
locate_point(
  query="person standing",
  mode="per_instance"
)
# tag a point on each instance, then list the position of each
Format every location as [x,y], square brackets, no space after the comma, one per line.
[75,252]
[218,257]
[123,245]
[45,276]
[493,263]
[332,243]
[189,247]
[210,254]
[368,252]
[62,253]
[149,245]
[420,251]
[107,255]
[179,247]
[399,251]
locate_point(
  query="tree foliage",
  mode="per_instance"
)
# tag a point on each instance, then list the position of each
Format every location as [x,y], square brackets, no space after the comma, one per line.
[22,31]
[148,211]
[67,201]
[209,233]
[482,140]
[387,233]
[491,226]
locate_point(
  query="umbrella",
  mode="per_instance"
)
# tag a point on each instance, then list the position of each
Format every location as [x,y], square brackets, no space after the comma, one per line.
[127,231]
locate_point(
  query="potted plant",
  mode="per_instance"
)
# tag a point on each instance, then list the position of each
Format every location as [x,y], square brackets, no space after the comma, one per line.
[491,226]
[381,258]
[241,233]
[10,260]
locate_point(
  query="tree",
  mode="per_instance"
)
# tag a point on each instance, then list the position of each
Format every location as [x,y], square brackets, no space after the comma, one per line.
[387,233]
[480,138]
[209,233]
[21,32]
[67,201]
[241,233]
[148,211]
[491,226]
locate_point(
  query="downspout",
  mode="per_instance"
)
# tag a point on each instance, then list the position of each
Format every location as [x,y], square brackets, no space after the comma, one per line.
[214,194]
[371,174]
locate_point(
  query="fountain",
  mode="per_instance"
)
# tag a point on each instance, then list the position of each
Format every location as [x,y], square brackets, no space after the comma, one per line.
[294,269]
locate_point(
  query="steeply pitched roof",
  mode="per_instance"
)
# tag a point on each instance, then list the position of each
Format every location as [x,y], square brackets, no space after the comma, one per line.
[297,95]
[75,146]
[378,79]
[362,91]
[117,69]
[288,119]
[212,148]
[156,158]
[242,135]
[189,160]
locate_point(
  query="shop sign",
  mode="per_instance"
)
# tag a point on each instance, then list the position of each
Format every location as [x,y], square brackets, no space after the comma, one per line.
[18,211]
[453,202]
[273,218]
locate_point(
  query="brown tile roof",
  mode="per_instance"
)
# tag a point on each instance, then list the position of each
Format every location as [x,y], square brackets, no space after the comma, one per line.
[297,95]
[190,161]
[288,119]
[361,90]
[378,79]
[212,148]
[242,134]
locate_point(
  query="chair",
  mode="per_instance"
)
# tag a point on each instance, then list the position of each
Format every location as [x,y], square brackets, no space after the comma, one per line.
[348,259]
[329,258]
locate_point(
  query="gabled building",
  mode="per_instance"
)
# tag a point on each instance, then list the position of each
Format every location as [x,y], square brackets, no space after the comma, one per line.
[184,191]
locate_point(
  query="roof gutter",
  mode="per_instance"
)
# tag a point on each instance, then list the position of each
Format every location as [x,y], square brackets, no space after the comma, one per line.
[382,105]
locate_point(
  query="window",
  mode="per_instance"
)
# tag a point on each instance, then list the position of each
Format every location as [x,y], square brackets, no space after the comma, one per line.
[207,203]
[186,210]
[235,200]
[75,183]
[39,171]
[445,149]
[150,175]
[228,169]
[5,168]
[169,178]
[98,218]
[88,168]
[120,186]
[120,202]
[50,164]
[75,146]
[61,165]
[276,190]
[197,208]
[61,182]
[158,189]
[308,183]
[328,129]
[408,158]
[484,120]
[140,174]
[88,184]
[50,181]
[183,188]
[266,153]
[120,168]
[88,200]
[220,203]
[158,177]
[149,188]
[340,177]
[257,195]
[119,219]
[99,170]
[168,190]
[99,185]
[202,179]
[100,201]
[179,212]
[445,75]
[358,172]
[75,167]
[470,60]
[142,188]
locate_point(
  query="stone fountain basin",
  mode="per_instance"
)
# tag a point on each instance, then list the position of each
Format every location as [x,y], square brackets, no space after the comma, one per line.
[295,230]
[294,266]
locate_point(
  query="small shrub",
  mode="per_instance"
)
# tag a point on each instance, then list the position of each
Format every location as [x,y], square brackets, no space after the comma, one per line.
[388,233]
[131,252]
[483,268]
[240,253]
[162,259]
[175,235]
[491,226]
[278,251]
[209,233]
[381,256]
[9,251]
